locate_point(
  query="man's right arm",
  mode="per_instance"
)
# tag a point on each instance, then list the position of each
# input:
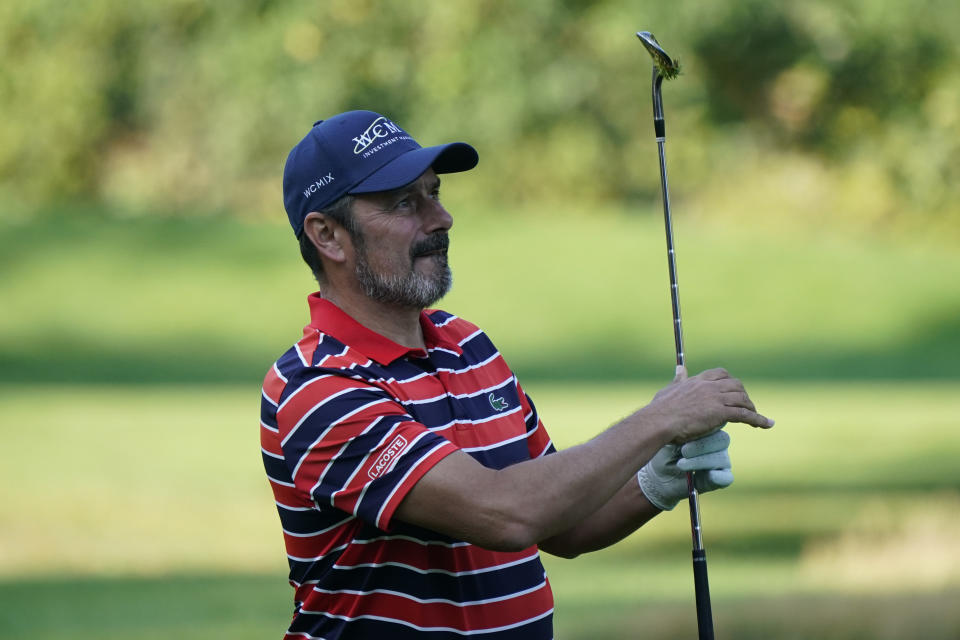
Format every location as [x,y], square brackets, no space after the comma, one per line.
[533,501]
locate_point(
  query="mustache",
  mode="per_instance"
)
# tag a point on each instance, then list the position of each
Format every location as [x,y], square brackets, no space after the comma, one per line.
[439,241]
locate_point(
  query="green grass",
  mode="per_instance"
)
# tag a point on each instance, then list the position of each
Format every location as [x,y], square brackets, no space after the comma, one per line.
[143,511]
[132,501]
[566,295]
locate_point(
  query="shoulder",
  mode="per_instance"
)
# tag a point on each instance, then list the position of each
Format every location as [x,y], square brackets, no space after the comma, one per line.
[454,328]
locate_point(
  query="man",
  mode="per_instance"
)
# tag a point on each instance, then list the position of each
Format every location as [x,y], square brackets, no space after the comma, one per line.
[415,482]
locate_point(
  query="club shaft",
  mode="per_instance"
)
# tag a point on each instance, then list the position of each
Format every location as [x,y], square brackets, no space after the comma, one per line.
[701,582]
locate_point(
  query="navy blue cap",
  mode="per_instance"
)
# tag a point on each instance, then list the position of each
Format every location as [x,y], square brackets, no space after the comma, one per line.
[359,152]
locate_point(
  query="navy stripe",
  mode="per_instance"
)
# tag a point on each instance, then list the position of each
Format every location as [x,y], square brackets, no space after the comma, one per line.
[464,588]
[310,521]
[315,571]
[276,468]
[502,456]
[268,413]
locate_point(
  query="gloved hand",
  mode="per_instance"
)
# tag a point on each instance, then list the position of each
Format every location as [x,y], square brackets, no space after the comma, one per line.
[664,479]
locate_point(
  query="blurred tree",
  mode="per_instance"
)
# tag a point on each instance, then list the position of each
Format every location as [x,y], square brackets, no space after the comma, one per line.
[144,107]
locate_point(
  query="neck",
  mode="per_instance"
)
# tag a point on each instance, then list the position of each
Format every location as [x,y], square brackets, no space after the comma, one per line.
[400,324]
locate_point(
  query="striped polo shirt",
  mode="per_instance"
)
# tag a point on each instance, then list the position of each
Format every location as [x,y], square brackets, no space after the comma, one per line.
[349,422]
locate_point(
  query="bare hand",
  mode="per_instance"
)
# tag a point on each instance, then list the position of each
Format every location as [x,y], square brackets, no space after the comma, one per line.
[698,405]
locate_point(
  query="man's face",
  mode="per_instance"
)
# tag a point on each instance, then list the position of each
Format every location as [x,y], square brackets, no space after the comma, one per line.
[401,244]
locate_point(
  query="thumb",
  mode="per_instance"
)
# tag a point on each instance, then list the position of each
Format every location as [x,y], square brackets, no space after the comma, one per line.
[681,373]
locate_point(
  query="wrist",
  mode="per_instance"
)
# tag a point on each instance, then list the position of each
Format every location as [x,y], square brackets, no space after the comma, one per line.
[662,426]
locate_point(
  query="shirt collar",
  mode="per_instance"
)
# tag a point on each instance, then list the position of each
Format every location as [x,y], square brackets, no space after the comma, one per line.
[333,321]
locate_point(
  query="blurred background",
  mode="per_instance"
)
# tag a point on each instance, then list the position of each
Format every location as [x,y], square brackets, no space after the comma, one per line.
[148,279]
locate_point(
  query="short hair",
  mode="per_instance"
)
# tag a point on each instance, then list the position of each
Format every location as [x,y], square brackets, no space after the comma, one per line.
[341,212]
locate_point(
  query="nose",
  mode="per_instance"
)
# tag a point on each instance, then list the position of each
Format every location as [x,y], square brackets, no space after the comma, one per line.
[437,218]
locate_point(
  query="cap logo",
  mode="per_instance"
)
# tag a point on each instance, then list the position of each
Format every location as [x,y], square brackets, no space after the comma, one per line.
[318,184]
[379,128]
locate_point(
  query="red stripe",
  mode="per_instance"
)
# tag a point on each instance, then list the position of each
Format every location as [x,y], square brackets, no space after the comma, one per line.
[308,343]
[269,441]
[318,545]
[474,617]
[425,556]
[273,385]
[290,496]
[308,396]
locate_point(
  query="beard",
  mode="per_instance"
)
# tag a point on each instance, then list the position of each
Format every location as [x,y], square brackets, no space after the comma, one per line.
[410,289]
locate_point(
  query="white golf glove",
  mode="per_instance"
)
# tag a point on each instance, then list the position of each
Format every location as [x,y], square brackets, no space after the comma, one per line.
[664,479]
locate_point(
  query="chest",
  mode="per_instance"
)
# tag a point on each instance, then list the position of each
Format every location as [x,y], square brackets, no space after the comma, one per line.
[475,405]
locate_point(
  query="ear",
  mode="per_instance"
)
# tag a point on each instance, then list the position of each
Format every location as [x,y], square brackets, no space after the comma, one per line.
[327,236]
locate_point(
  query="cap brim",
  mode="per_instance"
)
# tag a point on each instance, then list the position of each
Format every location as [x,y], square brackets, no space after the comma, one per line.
[404,169]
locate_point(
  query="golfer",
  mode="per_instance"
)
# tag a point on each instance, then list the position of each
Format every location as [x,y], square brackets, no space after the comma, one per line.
[415,483]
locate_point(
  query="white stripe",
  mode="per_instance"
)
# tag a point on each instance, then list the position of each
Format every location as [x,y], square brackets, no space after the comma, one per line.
[453,353]
[279,375]
[374,565]
[423,543]
[496,354]
[269,428]
[296,348]
[289,508]
[469,337]
[281,482]
[272,455]
[321,556]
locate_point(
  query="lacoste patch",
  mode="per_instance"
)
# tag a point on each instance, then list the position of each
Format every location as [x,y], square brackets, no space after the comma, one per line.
[386,459]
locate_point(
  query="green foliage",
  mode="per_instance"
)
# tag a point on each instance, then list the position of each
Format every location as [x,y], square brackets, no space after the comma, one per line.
[193,104]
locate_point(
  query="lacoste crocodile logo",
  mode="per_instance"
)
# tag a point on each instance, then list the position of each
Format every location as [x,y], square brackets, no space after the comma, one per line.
[499,404]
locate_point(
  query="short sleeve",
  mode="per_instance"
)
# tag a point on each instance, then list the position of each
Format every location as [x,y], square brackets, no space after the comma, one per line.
[350,445]
[538,440]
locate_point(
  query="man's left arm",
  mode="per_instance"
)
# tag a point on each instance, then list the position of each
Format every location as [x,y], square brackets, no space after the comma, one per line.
[660,484]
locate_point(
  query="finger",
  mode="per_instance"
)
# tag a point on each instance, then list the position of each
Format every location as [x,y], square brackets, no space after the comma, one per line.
[717,479]
[738,399]
[716,441]
[717,460]
[714,374]
[746,416]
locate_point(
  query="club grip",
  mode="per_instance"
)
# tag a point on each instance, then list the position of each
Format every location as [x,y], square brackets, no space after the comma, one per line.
[702,588]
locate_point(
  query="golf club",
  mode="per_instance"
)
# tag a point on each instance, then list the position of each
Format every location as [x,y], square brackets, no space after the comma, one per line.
[666,67]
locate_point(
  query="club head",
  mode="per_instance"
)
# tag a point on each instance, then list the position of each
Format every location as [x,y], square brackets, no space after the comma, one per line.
[666,66]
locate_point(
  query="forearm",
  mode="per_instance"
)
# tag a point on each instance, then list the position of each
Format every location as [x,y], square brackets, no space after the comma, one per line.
[533,501]
[623,514]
